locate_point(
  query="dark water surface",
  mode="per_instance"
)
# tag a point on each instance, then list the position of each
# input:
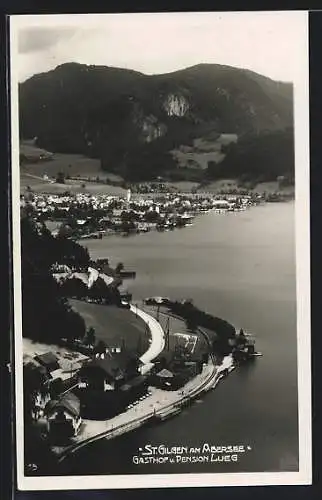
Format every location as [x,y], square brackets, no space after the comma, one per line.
[241,267]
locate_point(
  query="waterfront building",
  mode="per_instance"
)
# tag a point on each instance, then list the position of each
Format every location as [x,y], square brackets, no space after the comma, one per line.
[172,378]
[164,379]
[167,380]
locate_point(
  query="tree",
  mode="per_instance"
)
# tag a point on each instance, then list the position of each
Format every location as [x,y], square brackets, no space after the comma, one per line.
[65,231]
[91,337]
[241,339]
[119,268]
[60,178]
[99,290]
[180,354]
[47,317]
[100,348]
[56,388]
[34,382]
[258,158]
[73,326]
[74,287]
[191,323]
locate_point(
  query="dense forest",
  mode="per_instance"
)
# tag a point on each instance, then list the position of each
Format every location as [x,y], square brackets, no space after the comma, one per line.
[258,158]
[46,314]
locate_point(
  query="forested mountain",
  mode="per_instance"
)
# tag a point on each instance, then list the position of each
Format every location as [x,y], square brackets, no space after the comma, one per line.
[263,158]
[132,121]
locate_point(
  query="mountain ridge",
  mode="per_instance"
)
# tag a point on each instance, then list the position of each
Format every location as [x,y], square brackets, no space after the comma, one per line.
[132,121]
[167,73]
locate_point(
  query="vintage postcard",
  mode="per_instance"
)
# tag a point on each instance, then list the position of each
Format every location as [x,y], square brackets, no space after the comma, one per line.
[160,187]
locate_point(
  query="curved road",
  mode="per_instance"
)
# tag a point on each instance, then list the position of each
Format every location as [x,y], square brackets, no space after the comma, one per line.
[129,421]
[157,335]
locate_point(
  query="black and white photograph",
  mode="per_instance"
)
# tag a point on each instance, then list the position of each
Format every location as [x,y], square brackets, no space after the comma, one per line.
[160,206]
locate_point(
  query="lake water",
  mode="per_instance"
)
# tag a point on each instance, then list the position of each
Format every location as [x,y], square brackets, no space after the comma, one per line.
[241,267]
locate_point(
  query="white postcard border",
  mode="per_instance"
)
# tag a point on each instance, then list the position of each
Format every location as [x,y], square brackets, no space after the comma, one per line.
[304,476]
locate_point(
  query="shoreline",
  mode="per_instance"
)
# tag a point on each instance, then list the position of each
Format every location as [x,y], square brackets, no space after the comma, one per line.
[87,239]
[138,215]
[196,417]
[160,404]
[152,409]
[207,382]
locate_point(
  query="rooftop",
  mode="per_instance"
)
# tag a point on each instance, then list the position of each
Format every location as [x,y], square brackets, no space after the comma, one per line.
[49,360]
[113,364]
[69,403]
[165,373]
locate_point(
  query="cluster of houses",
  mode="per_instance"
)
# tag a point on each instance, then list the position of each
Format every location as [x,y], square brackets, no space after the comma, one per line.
[63,387]
[87,277]
[95,283]
[111,381]
[176,366]
[81,215]
[98,386]
[153,187]
[48,379]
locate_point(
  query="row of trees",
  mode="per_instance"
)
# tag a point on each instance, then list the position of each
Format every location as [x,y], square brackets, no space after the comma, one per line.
[99,291]
[47,315]
[194,317]
[43,249]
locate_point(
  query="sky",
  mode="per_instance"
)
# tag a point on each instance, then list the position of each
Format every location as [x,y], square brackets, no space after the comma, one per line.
[270,43]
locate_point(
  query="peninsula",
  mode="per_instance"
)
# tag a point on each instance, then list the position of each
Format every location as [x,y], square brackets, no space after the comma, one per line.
[113,364]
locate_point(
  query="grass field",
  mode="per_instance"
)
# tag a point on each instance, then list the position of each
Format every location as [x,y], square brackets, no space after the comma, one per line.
[114,325]
[180,335]
[77,165]
[39,185]
[72,165]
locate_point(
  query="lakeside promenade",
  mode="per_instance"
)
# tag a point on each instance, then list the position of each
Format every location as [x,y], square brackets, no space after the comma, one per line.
[158,404]
[93,429]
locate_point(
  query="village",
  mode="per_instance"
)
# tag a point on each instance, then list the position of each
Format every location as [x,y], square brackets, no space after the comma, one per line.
[82,216]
